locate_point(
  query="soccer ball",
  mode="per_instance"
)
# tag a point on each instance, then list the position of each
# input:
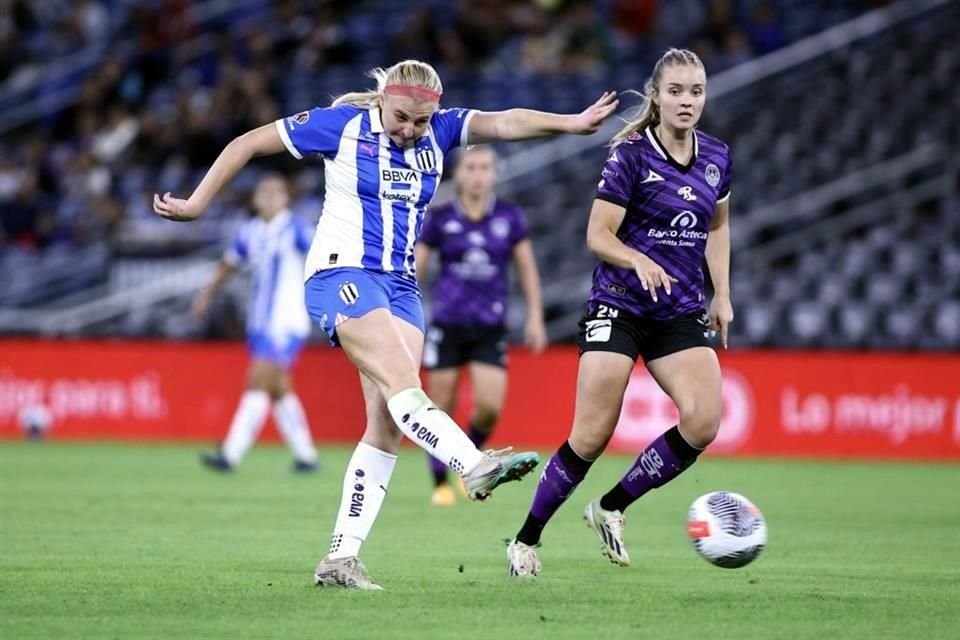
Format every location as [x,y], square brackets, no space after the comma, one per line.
[726,529]
[35,420]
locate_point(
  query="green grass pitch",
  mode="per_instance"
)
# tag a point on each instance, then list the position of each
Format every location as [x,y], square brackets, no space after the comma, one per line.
[138,541]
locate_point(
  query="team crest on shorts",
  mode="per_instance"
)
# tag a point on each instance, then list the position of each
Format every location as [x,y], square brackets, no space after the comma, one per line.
[712,174]
[301,118]
[349,293]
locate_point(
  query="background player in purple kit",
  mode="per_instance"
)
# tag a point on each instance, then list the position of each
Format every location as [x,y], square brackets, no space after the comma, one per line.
[476,237]
[662,206]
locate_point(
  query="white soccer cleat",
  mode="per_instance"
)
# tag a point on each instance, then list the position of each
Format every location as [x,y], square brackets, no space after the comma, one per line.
[608,525]
[496,468]
[522,560]
[346,573]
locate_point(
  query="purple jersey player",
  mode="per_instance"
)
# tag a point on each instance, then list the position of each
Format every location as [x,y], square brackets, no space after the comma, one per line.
[661,208]
[476,237]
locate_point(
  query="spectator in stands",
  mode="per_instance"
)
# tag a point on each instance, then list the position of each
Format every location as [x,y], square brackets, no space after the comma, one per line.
[26,221]
[540,48]
[735,49]
[327,43]
[764,29]
[482,27]
[634,18]
[92,20]
[423,38]
[632,24]
[719,21]
[586,40]
[149,58]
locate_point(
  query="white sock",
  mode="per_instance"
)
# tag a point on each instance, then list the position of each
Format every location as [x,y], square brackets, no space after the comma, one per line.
[292,423]
[364,488]
[421,421]
[247,421]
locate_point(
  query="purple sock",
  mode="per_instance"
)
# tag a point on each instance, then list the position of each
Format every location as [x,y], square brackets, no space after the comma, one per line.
[561,475]
[556,484]
[438,470]
[477,436]
[663,460]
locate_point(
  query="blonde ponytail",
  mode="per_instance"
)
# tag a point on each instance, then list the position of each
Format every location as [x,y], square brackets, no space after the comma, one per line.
[637,118]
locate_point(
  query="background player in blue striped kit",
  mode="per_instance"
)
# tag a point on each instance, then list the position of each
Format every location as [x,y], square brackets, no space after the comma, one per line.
[662,206]
[273,246]
[383,153]
[476,236]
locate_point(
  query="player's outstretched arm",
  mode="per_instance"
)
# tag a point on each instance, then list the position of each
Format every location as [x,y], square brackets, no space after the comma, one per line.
[524,124]
[202,301]
[262,141]
[718,263]
[535,333]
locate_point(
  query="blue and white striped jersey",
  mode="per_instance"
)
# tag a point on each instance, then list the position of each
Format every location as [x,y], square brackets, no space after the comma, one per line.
[376,191]
[274,251]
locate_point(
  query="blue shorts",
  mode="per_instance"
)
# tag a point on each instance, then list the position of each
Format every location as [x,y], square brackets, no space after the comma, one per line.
[333,295]
[281,353]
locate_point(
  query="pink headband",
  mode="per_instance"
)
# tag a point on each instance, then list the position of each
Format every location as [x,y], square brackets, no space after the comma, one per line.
[411,91]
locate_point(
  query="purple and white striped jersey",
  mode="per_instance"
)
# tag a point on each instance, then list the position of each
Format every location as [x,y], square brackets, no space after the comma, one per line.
[475,257]
[669,208]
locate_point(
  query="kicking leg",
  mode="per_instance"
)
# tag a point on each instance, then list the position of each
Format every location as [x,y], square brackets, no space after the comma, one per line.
[387,350]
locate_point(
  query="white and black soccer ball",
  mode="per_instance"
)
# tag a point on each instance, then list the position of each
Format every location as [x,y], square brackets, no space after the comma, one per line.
[726,529]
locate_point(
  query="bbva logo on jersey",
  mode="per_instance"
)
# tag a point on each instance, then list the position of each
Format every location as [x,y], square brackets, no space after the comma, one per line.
[399,175]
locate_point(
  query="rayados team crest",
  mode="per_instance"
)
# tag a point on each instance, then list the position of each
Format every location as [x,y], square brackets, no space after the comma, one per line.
[426,159]
[349,293]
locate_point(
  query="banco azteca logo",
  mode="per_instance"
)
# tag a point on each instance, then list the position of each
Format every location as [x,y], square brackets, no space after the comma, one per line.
[685,220]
